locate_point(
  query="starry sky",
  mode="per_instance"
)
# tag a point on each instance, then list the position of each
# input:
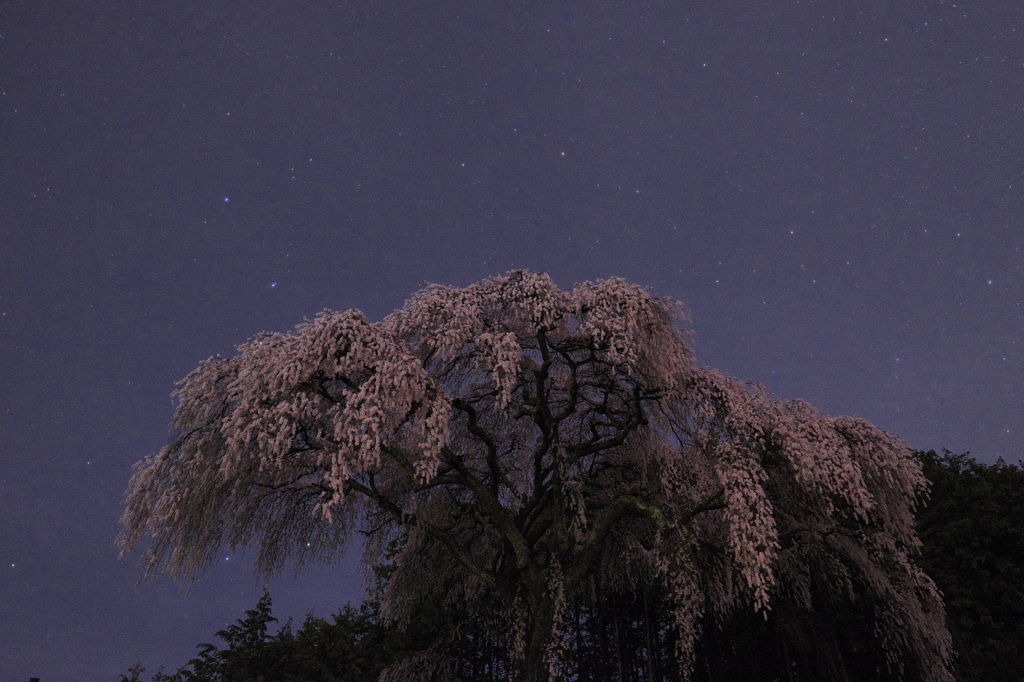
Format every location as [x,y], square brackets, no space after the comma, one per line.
[833,189]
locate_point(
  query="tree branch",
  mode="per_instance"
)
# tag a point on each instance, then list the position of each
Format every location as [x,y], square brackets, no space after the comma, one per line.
[491,507]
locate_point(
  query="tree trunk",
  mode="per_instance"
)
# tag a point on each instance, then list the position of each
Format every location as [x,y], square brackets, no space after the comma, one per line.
[618,641]
[649,639]
[581,673]
[540,621]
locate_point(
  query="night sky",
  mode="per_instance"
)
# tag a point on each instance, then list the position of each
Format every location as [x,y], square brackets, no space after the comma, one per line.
[833,189]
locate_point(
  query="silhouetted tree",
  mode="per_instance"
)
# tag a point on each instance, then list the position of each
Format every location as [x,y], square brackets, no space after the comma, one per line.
[352,646]
[533,443]
[246,657]
[973,533]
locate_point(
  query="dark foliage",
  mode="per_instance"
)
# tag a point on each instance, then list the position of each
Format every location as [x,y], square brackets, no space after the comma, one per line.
[350,647]
[617,637]
[973,534]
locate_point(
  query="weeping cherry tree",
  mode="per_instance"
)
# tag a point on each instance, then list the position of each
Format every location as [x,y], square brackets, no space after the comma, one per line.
[524,444]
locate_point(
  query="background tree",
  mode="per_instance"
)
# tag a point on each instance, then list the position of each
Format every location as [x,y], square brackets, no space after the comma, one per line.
[530,443]
[973,533]
[352,646]
[247,656]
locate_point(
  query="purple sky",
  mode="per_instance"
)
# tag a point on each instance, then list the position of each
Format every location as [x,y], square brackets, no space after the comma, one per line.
[835,194]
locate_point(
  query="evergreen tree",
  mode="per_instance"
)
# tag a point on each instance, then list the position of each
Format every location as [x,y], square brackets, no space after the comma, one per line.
[973,534]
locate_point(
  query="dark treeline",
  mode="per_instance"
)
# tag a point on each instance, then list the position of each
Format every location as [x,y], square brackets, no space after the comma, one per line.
[972,529]
[973,534]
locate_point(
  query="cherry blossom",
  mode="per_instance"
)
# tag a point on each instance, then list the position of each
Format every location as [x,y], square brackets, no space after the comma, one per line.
[526,442]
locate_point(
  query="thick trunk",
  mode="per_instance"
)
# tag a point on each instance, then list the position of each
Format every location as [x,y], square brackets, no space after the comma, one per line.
[540,622]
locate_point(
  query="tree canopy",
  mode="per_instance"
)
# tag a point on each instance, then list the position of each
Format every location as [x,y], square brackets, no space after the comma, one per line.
[973,534]
[527,444]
